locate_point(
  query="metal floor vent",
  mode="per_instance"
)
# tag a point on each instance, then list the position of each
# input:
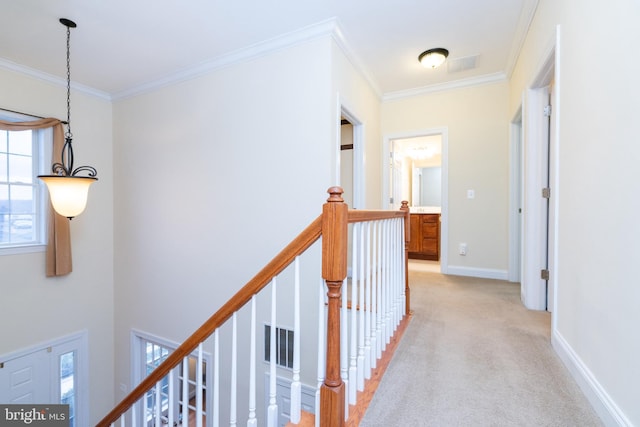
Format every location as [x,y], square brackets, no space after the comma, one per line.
[284,346]
[456,65]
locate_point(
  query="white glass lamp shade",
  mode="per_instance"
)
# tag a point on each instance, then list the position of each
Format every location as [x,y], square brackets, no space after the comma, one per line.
[68,194]
[433,58]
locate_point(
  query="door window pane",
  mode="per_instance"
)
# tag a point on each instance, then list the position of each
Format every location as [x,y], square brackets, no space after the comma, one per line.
[67,383]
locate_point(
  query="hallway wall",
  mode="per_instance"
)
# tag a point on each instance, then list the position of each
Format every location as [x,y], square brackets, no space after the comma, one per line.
[598,155]
[478,131]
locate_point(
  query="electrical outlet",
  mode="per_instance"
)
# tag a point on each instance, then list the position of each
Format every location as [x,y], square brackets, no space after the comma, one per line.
[462,250]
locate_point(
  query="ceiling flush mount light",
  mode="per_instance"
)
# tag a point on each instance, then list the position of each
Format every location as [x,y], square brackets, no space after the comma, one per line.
[433,58]
[68,189]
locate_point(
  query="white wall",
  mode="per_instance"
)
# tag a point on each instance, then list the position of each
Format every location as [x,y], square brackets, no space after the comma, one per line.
[35,309]
[597,314]
[215,175]
[477,123]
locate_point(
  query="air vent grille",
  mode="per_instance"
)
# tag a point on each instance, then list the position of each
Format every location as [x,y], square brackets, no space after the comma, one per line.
[455,65]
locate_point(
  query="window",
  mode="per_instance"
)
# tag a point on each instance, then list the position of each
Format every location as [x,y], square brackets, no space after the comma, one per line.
[149,353]
[22,196]
[284,346]
[67,384]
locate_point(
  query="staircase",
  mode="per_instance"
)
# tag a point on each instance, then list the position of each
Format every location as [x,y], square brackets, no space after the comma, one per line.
[361,300]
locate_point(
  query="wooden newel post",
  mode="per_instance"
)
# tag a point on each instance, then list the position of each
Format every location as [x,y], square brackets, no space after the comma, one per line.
[407,239]
[334,271]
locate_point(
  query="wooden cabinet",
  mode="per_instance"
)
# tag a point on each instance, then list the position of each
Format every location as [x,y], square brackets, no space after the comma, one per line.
[425,236]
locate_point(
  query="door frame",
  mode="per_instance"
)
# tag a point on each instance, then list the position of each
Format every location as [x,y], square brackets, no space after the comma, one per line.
[535,295]
[77,342]
[516,163]
[358,152]
[444,210]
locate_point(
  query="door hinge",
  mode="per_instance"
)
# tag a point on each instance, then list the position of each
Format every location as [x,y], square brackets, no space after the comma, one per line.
[391,200]
[547,111]
[546,193]
[544,274]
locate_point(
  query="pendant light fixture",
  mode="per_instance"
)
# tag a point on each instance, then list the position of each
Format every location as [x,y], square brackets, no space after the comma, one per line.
[69,190]
[433,58]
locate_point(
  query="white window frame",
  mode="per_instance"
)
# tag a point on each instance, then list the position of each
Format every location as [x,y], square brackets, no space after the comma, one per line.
[42,143]
[138,340]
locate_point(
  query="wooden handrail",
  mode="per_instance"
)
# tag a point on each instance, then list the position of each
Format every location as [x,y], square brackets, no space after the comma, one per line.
[332,226]
[297,246]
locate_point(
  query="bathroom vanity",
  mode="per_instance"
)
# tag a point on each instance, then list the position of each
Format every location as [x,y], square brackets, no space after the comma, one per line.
[425,236]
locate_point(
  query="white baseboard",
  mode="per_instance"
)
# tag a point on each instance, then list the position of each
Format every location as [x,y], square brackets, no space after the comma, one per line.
[602,403]
[485,273]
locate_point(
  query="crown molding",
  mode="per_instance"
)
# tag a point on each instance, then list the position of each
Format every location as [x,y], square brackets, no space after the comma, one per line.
[440,87]
[312,32]
[50,78]
[341,41]
[524,23]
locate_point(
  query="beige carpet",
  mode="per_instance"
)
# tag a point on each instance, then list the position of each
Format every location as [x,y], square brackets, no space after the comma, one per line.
[474,356]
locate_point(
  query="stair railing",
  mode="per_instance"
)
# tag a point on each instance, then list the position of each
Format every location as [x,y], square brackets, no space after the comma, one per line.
[334,366]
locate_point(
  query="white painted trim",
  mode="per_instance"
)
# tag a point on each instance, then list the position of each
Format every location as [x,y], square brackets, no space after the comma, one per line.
[602,403]
[55,80]
[359,158]
[326,28]
[136,375]
[515,197]
[484,273]
[524,22]
[440,87]
[444,209]
[356,62]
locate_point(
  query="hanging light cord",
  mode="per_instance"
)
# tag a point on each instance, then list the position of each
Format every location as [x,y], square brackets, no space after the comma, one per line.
[69,134]
[65,168]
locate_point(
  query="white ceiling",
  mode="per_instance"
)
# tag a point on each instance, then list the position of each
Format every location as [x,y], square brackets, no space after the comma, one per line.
[120,46]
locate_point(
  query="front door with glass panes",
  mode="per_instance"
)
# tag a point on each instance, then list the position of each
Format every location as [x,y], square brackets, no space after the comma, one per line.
[46,374]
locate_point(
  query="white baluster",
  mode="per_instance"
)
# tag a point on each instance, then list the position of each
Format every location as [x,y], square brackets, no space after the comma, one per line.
[368,311]
[387,276]
[380,287]
[375,301]
[199,388]
[364,268]
[215,413]
[344,346]
[145,408]
[272,412]
[252,421]
[158,404]
[321,347]
[233,411]
[134,418]
[391,296]
[185,389]
[170,413]
[404,271]
[296,387]
[383,284]
[353,352]
[378,291]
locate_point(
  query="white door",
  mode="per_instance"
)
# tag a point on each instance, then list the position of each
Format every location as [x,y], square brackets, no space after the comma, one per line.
[26,379]
[55,372]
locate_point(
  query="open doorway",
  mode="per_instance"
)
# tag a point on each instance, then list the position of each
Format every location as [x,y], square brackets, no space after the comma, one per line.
[350,170]
[540,184]
[417,173]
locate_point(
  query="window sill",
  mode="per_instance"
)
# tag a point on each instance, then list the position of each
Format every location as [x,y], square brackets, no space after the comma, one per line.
[26,249]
